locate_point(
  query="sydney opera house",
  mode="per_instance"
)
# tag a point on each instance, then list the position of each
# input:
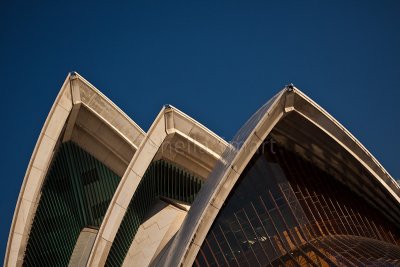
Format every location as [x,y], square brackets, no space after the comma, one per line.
[293,188]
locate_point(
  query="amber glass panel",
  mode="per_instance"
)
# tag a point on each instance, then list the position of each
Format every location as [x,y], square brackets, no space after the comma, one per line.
[286,211]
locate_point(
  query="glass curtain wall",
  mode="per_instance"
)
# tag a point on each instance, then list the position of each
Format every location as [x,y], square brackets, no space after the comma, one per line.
[76,193]
[284,211]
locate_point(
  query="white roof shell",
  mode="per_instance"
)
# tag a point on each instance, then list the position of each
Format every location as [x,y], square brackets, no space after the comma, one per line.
[83,114]
[290,100]
[201,149]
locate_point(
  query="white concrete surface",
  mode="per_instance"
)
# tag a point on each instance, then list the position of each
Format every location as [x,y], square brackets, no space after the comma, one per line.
[117,138]
[185,246]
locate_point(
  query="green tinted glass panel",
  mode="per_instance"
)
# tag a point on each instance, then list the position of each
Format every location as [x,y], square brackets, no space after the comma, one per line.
[161,179]
[76,193]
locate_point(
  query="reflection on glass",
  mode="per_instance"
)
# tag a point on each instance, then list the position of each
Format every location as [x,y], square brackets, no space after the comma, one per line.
[286,211]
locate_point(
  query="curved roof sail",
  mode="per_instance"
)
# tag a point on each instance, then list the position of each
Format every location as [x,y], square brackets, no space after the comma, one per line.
[174,137]
[83,115]
[294,186]
[294,119]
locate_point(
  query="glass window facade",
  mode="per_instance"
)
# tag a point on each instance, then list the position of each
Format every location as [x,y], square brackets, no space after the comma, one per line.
[76,194]
[162,179]
[285,211]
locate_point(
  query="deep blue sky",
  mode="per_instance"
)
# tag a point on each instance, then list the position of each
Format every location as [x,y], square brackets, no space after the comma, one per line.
[217,61]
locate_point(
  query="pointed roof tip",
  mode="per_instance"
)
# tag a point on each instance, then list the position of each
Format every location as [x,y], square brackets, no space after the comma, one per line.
[73,75]
[168,106]
[290,87]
